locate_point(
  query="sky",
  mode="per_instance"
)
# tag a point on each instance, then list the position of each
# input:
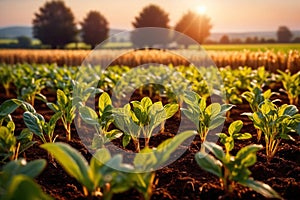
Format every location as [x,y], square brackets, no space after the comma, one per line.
[226,15]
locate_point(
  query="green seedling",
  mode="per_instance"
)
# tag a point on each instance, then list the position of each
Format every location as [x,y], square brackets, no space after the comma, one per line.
[65,108]
[102,122]
[291,84]
[44,130]
[233,169]
[255,97]
[205,117]
[276,123]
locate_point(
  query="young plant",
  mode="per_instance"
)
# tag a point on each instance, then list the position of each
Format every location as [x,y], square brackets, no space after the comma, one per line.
[10,145]
[261,77]
[82,91]
[123,120]
[233,133]
[276,123]
[291,85]
[255,97]
[33,90]
[102,122]
[66,110]
[6,78]
[36,124]
[148,160]
[99,178]
[205,118]
[233,169]
[107,175]
[17,180]
[149,115]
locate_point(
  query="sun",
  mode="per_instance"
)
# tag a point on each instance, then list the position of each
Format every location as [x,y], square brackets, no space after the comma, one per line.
[201,9]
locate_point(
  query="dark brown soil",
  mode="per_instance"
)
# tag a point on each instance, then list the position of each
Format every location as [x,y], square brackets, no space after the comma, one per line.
[183,179]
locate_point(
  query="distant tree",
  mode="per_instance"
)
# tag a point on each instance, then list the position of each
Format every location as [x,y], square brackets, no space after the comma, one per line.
[94,28]
[262,40]
[248,40]
[224,40]
[255,40]
[296,40]
[54,24]
[150,16]
[284,35]
[24,42]
[271,40]
[236,41]
[195,26]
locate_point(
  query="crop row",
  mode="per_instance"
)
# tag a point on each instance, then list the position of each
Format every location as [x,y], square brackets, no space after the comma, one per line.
[271,60]
[108,174]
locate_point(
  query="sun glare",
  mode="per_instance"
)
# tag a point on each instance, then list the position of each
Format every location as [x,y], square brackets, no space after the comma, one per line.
[201,9]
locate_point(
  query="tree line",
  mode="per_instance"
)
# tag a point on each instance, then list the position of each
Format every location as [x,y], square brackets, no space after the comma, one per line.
[54,25]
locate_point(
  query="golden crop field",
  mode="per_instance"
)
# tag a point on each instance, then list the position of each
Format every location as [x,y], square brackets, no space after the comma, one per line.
[269,59]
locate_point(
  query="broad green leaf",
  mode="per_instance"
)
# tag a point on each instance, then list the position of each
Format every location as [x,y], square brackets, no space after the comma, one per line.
[167,147]
[62,99]
[22,187]
[25,106]
[8,107]
[267,94]
[125,140]
[104,101]
[114,134]
[235,127]
[53,107]
[226,107]
[170,110]
[145,160]
[11,126]
[209,163]
[213,109]
[30,169]
[289,110]
[25,138]
[242,136]
[194,117]
[146,102]
[33,168]
[33,123]
[246,151]
[72,162]
[216,122]
[257,118]
[202,104]
[248,160]
[261,188]
[267,107]
[88,115]
[54,119]
[215,149]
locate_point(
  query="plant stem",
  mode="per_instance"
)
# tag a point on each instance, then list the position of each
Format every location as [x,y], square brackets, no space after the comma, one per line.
[259,132]
[136,144]
[68,129]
